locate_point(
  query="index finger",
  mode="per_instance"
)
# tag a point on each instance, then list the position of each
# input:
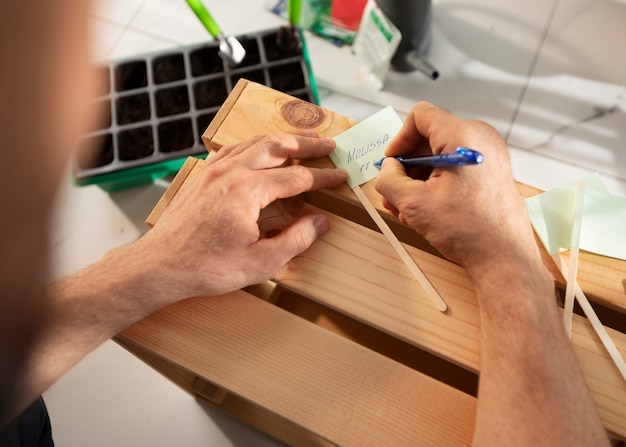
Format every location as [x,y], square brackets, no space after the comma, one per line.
[274,149]
[237,148]
[417,134]
[281,183]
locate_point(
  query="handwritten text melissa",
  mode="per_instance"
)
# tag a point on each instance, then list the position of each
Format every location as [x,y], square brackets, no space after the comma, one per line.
[359,152]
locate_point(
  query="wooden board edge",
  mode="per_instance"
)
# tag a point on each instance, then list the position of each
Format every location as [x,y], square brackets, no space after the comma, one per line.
[337,374]
[222,114]
[171,191]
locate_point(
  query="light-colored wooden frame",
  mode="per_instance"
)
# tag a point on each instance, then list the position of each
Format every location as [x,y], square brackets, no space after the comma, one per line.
[339,349]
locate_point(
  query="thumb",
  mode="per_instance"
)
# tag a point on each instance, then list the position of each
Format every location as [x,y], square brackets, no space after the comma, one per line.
[392,180]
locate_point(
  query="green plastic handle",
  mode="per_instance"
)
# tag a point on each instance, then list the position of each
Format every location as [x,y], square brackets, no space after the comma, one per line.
[205,17]
[294,7]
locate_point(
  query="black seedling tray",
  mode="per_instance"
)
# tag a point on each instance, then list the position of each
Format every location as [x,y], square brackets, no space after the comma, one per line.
[157,106]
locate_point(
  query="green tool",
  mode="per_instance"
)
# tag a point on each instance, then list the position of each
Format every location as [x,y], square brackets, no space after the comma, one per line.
[293,10]
[231,49]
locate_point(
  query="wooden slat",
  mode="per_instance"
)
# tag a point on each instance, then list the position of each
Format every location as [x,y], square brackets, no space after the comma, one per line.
[257,109]
[183,378]
[354,270]
[217,397]
[379,341]
[330,386]
[258,417]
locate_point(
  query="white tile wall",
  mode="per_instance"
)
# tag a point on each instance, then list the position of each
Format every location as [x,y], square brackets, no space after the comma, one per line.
[538,70]
[575,107]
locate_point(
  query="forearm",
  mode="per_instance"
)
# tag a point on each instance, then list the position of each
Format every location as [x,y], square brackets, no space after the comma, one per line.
[82,311]
[532,391]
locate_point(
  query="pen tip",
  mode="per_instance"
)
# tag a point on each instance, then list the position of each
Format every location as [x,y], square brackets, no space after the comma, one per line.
[379,163]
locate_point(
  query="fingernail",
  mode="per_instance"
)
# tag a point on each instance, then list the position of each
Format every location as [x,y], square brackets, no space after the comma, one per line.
[321,224]
[329,142]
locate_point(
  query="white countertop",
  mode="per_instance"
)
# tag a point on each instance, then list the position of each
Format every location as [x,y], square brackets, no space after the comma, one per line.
[549,75]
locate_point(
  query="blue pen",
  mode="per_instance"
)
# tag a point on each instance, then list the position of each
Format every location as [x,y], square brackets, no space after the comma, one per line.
[462,157]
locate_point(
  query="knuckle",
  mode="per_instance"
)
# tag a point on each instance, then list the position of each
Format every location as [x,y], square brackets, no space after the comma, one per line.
[280,141]
[274,139]
[300,176]
[278,146]
[301,243]
[428,107]
[484,127]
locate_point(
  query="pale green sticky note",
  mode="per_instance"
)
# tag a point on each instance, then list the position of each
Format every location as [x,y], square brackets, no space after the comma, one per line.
[603,223]
[361,145]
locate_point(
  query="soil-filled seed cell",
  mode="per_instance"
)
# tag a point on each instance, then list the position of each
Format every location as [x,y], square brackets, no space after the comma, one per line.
[130,76]
[172,101]
[134,144]
[168,68]
[206,61]
[253,57]
[282,45]
[287,77]
[175,135]
[132,109]
[251,75]
[94,152]
[203,122]
[210,93]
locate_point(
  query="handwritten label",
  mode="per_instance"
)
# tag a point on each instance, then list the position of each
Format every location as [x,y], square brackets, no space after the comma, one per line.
[361,145]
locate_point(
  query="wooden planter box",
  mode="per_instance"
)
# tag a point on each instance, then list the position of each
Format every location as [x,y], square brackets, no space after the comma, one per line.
[341,348]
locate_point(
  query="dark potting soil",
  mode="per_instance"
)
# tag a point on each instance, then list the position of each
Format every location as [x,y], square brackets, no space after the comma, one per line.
[251,75]
[134,144]
[168,68]
[210,93]
[205,61]
[282,45]
[175,135]
[304,96]
[171,101]
[203,122]
[131,75]
[132,109]
[287,76]
[95,151]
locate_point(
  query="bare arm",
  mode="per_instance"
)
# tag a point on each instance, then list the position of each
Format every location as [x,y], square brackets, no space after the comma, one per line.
[531,390]
[206,243]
